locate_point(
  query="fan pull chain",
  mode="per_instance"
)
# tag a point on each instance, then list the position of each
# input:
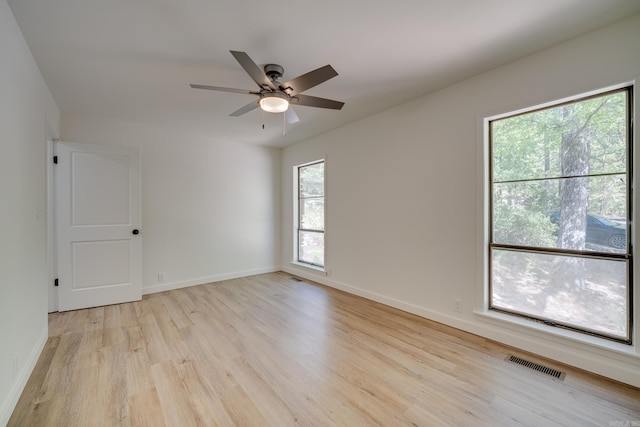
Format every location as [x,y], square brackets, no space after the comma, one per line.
[284,124]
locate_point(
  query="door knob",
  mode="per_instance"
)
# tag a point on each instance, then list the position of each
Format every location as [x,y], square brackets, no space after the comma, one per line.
[135,231]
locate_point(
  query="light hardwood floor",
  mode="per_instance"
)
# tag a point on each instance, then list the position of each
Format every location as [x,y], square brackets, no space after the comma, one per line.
[269,351]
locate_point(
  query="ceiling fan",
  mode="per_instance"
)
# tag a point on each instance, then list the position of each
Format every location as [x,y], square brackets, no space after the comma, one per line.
[276,97]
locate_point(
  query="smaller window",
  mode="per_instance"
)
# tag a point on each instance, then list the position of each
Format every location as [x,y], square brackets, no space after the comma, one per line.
[310,227]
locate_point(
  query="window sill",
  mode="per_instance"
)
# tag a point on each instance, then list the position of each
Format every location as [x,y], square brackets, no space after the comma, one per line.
[310,267]
[519,325]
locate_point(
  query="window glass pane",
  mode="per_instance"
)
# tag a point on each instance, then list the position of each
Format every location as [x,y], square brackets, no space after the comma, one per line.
[572,213]
[575,139]
[559,194]
[311,180]
[586,293]
[311,247]
[312,214]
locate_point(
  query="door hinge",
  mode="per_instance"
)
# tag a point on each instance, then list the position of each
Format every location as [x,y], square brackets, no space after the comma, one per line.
[55,282]
[55,160]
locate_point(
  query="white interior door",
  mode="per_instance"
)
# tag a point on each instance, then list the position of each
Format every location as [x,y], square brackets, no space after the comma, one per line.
[99,247]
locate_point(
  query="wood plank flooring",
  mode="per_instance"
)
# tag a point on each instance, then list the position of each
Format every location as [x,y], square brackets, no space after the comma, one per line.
[270,351]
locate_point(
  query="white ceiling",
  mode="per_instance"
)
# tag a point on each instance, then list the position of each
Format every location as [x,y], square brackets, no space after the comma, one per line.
[133,60]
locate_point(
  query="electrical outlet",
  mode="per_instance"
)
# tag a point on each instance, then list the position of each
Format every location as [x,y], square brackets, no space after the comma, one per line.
[457,305]
[161,277]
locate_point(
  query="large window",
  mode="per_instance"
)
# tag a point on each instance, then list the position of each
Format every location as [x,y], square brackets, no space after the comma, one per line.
[560,197]
[310,229]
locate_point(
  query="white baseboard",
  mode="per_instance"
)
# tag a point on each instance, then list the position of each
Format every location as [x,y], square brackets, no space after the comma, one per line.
[23,376]
[601,361]
[161,287]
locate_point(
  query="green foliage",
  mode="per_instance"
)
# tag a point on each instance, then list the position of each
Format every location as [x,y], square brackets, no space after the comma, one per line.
[311,179]
[528,146]
[312,214]
[311,194]
[518,226]
[528,170]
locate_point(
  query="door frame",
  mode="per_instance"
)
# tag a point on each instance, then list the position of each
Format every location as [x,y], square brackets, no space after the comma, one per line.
[52,266]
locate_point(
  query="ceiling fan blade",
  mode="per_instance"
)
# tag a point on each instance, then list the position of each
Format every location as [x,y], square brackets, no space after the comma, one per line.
[308,80]
[224,89]
[313,101]
[251,106]
[255,72]
[291,116]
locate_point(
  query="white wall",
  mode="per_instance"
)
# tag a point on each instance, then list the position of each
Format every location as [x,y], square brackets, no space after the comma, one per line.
[210,209]
[28,115]
[404,199]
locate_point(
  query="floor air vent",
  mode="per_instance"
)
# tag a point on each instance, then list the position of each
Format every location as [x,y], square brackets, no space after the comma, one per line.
[295,279]
[537,367]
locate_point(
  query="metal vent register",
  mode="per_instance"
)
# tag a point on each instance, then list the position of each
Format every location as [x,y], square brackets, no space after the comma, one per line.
[536,367]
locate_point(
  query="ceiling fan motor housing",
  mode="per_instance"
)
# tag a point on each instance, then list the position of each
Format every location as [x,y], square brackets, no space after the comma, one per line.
[273,71]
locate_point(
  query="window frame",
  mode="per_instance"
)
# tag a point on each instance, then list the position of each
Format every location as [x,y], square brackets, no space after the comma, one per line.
[627,257]
[298,219]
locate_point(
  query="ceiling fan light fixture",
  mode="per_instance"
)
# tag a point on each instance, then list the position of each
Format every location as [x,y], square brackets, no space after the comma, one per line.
[274,102]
